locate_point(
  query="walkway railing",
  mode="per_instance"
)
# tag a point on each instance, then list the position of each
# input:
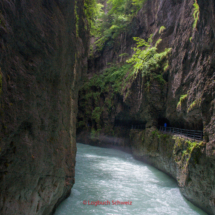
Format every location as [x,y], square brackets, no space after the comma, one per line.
[193,134]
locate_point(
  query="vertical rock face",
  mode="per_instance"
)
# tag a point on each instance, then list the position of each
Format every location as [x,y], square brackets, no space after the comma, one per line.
[190,73]
[41,63]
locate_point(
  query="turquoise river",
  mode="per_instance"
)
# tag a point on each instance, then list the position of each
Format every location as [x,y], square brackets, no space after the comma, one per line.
[125,186]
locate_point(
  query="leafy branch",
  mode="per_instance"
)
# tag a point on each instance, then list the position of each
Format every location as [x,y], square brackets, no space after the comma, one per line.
[148,59]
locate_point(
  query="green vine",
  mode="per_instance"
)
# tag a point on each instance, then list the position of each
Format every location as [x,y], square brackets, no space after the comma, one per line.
[162,28]
[196,12]
[182,98]
[195,103]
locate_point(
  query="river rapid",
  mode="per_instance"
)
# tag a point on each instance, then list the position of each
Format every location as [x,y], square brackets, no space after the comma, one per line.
[112,182]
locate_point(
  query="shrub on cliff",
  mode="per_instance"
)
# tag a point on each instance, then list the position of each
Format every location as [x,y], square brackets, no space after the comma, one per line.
[148,60]
[97,95]
[113,20]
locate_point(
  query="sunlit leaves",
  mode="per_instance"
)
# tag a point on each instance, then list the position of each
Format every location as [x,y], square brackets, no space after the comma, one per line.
[148,60]
[114,21]
[196,12]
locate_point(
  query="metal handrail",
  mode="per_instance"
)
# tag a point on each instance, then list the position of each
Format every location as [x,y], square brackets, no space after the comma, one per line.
[193,134]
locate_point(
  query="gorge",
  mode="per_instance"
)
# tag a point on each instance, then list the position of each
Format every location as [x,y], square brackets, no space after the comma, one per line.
[104,67]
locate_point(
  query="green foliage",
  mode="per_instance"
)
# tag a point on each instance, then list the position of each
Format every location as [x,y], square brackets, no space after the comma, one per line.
[80,124]
[196,12]
[93,133]
[148,60]
[159,135]
[90,10]
[114,21]
[190,39]
[162,28]
[124,55]
[166,66]
[98,93]
[96,114]
[191,106]
[186,147]
[97,22]
[156,133]
[121,7]
[138,4]
[195,103]
[182,98]
[76,19]
[159,78]
[190,147]
[113,76]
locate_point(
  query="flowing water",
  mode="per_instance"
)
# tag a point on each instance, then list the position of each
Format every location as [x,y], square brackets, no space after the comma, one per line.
[109,175]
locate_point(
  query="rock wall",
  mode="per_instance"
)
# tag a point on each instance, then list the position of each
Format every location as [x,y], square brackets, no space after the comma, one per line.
[190,73]
[191,66]
[41,64]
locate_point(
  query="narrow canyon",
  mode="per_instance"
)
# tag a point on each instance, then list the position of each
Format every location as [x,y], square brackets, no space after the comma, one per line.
[132,75]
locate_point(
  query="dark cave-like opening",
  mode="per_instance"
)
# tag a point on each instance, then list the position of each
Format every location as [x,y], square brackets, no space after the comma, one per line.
[129,123]
[192,125]
[162,121]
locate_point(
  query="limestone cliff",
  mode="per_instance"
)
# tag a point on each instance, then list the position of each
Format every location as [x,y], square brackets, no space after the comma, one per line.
[41,62]
[190,74]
